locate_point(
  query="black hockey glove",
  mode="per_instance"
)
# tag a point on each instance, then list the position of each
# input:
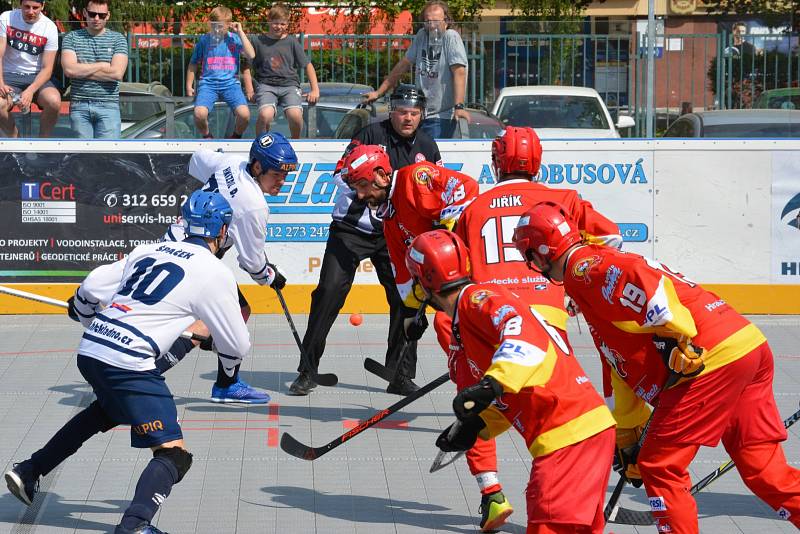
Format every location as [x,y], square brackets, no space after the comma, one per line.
[413,328]
[207,343]
[464,438]
[71,311]
[275,278]
[473,400]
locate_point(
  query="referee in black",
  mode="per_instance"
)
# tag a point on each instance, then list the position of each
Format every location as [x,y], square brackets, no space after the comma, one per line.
[356,233]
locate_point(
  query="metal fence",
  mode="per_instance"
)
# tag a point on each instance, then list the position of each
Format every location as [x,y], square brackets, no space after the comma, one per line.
[692,71]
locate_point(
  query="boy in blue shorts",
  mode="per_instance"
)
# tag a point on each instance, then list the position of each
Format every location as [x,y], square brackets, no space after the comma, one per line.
[217,53]
[155,293]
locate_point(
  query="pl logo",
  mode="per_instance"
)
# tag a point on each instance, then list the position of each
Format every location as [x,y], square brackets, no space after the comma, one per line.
[792,209]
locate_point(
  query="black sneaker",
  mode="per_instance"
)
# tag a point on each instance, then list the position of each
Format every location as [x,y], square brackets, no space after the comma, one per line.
[302,385]
[402,385]
[144,528]
[23,482]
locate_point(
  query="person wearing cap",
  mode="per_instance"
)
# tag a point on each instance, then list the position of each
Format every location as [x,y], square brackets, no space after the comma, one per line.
[356,233]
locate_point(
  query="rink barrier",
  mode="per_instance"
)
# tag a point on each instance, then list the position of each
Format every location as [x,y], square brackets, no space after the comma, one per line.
[725,212]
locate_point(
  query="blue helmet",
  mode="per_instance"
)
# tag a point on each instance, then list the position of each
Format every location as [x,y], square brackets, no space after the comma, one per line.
[273,151]
[204,213]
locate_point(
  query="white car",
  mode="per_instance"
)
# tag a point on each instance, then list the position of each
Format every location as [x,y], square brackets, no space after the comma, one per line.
[556,111]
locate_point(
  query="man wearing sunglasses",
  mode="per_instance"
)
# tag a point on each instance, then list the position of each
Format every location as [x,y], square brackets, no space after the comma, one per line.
[95,59]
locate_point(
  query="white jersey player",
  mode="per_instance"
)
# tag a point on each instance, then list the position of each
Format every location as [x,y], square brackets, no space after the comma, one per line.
[243,183]
[153,294]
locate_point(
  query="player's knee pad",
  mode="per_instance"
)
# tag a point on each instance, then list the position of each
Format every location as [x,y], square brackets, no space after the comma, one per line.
[180,458]
[101,418]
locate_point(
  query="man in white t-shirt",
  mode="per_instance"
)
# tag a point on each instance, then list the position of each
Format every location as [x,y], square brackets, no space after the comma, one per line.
[28,47]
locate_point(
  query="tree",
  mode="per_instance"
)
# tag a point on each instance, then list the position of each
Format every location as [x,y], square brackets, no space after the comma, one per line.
[775,13]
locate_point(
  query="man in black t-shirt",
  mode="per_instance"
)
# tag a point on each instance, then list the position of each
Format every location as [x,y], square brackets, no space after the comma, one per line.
[356,233]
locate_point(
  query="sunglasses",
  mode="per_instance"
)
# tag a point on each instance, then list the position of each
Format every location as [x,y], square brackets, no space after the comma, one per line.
[95,14]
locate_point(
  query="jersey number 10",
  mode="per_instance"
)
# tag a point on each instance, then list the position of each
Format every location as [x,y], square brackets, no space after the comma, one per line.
[137,287]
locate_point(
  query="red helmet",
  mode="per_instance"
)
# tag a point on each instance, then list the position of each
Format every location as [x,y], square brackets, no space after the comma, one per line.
[438,260]
[517,150]
[547,229]
[362,161]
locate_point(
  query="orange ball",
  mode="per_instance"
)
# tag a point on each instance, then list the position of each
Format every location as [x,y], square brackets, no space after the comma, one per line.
[356,319]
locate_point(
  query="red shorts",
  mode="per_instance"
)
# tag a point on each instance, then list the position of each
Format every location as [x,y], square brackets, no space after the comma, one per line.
[735,401]
[568,486]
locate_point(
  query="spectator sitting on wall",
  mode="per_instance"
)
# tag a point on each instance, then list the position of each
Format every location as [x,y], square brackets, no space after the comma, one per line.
[28,47]
[441,71]
[278,56]
[218,53]
[95,58]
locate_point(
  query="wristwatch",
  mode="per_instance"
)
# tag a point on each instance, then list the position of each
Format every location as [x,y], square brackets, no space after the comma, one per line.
[459,106]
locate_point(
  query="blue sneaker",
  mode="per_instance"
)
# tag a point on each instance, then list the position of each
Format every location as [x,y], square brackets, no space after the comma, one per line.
[22,482]
[141,529]
[239,391]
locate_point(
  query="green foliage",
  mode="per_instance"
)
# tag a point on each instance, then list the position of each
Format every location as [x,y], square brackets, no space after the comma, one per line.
[747,75]
[774,13]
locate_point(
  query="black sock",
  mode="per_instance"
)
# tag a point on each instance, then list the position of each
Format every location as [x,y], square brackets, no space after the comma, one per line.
[69,439]
[235,135]
[154,485]
[208,136]
[174,355]
[224,380]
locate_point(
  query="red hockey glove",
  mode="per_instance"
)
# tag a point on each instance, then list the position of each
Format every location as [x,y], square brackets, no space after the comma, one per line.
[473,400]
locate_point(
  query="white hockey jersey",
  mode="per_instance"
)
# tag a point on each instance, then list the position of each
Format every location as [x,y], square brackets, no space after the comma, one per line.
[227,174]
[151,297]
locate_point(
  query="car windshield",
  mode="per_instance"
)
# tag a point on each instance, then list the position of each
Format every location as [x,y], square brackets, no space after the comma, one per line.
[757,130]
[553,111]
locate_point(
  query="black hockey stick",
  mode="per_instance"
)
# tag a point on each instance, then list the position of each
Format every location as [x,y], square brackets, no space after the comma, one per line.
[634,517]
[380,370]
[328,379]
[439,462]
[613,513]
[304,452]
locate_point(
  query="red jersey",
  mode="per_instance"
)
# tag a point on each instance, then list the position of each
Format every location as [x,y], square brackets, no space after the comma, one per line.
[487,227]
[546,394]
[423,196]
[626,299]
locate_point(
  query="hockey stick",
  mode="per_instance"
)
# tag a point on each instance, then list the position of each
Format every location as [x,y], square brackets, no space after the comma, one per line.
[291,446]
[328,379]
[61,304]
[634,517]
[384,372]
[613,513]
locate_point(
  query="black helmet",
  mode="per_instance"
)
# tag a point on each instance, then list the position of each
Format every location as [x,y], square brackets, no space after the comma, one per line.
[406,95]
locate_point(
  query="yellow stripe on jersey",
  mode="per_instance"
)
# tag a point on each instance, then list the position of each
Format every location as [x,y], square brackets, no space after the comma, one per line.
[496,423]
[610,240]
[584,426]
[518,364]
[553,315]
[732,348]
[628,410]
[407,294]
[665,315]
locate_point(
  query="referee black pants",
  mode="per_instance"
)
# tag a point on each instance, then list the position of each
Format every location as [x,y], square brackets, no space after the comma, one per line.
[345,250]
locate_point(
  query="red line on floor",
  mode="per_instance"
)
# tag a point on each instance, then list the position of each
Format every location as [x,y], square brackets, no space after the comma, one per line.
[397,423]
[272,438]
[207,429]
[274,412]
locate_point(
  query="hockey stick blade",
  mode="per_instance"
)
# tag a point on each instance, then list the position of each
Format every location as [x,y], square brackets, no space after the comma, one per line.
[378,369]
[291,446]
[440,463]
[327,379]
